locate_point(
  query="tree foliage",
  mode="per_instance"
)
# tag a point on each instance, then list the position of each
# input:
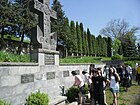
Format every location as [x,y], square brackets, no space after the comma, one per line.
[121,33]
[71,35]
[74,38]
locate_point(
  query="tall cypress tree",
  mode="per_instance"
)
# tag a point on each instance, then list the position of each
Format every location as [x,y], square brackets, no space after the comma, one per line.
[67,38]
[104,47]
[79,41]
[109,46]
[89,41]
[94,44]
[99,40]
[86,44]
[74,38]
[83,38]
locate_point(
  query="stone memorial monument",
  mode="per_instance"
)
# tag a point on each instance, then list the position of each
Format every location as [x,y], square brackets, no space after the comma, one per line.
[44,42]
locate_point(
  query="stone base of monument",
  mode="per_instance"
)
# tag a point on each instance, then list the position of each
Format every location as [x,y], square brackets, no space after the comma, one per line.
[45,57]
[60,100]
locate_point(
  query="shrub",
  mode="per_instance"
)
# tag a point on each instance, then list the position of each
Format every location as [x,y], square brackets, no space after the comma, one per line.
[3,102]
[85,89]
[72,93]
[116,57]
[37,99]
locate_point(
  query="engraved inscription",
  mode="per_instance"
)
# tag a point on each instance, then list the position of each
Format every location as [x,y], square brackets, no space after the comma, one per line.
[49,59]
[26,78]
[65,73]
[50,75]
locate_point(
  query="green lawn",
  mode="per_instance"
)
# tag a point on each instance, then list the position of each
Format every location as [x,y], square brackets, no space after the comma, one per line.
[131,97]
[83,59]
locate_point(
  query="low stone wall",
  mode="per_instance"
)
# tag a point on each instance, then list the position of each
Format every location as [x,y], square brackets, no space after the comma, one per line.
[18,80]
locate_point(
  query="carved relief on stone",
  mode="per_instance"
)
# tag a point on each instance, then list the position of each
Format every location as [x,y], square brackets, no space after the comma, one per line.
[43,35]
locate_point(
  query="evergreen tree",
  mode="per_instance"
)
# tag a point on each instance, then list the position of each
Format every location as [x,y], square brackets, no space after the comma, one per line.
[67,38]
[89,42]
[104,47]
[99,41]
[92,47]
[57,25]
[79,41]
[94,44]
[6,19]
[128,45]
[83,38]
[86,44]
[109,46]
[138,49]
[74,38]
[24,16]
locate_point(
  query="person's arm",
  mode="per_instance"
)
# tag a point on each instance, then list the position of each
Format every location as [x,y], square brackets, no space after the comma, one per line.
[107,81]
[117,76]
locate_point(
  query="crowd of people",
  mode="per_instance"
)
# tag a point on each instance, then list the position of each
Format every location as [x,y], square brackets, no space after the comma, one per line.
[110,76]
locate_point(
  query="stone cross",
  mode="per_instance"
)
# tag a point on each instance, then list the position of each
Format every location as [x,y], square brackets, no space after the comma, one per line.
[44,36]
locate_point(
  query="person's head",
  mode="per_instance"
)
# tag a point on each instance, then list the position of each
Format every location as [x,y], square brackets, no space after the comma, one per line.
[84,72]
[95,72]
[73,73]
[112,70]
[93,65]
[99,71]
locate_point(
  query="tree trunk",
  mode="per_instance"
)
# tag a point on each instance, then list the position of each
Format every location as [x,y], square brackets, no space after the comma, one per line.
[2,37]
[20,44]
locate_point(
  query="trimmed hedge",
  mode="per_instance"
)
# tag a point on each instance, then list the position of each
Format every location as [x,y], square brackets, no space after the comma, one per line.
[131,58]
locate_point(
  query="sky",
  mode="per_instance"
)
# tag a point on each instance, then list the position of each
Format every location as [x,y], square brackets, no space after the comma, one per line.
[95,14]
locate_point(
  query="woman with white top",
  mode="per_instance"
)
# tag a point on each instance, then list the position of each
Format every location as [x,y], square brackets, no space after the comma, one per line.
[114,84]
[80,83]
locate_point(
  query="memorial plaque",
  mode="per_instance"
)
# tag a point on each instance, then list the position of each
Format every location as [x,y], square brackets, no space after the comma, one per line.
[26,78]
[50,75]
[65,73]
[77,71]
[49,59]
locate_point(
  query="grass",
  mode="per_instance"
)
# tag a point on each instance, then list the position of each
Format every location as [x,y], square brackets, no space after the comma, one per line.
[83,59]
[131,97]
[10,57]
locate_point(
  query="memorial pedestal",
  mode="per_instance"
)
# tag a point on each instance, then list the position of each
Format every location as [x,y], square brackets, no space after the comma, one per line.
[45,57]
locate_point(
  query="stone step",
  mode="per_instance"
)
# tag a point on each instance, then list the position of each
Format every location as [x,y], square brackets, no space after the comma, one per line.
[60,100]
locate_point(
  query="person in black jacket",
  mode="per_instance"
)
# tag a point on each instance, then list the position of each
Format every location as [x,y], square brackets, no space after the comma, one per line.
[125,78]
[98,87]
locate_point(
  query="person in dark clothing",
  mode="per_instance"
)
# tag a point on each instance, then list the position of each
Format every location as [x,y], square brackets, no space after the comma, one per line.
[125,79]
[98,87]
[91,68]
